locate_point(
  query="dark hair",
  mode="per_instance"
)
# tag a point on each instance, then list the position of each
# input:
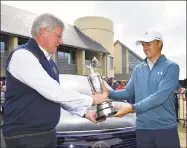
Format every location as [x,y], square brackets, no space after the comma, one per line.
[162,46]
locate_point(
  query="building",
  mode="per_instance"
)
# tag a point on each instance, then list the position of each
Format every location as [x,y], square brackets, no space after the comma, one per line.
[88,37]
[124,61]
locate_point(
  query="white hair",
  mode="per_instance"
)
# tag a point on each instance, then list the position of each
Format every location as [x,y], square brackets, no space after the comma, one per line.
[45,20]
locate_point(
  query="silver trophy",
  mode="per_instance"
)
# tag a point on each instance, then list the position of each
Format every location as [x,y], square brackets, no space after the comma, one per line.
[105,109]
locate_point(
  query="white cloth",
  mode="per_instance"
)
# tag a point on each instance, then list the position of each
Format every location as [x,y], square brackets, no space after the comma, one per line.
[25,67]
[150,64]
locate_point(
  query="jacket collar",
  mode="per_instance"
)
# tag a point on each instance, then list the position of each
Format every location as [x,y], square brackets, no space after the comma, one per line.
[160,59]
[32,42]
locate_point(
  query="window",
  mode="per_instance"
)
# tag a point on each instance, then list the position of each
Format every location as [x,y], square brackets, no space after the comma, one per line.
[73,57]
[4,44]
[4,50]
[67,56]
[133,61]
[130,71]
[64,57]
[111,62]
[2,47]
[22,40]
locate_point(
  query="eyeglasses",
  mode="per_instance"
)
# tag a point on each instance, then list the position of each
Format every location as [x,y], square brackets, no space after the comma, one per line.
[57,35]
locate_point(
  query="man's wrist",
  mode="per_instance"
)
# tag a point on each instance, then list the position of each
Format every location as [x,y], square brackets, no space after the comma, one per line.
[133,108]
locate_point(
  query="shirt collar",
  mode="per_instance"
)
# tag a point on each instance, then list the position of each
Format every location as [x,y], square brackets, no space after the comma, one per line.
[48,56]
[149,62]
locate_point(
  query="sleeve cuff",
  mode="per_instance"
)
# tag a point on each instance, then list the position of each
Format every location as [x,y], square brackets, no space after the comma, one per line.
[110,93]
[80,111]
[88,101]
[138,110]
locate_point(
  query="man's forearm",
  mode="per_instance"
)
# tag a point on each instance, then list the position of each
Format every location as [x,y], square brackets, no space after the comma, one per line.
[119,95]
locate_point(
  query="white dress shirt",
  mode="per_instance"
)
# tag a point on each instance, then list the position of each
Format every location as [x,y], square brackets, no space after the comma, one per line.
[25,67]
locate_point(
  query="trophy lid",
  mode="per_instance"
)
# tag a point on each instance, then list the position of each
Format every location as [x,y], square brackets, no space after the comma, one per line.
[95,62]
[93,66]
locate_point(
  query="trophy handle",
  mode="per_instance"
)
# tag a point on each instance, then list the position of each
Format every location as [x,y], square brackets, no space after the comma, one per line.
[91,85]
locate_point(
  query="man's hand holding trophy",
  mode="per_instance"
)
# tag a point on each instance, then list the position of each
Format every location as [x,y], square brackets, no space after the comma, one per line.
[100,92]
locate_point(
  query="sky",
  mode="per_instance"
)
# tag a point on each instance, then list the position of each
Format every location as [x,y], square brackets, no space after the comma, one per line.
[130,18]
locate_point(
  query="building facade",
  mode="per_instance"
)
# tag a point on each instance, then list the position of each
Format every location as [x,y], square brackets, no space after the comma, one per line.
[124,61]
[101,30]
[89,37]
[77,49]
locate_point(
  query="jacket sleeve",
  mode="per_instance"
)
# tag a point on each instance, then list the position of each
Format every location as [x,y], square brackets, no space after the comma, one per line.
[178,86]
[126,93]
[166,89]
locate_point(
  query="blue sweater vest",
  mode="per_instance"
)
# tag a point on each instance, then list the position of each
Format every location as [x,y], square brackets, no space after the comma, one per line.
[25,110]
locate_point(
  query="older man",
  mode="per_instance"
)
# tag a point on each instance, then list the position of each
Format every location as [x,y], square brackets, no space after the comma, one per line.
[34,95]
[153,84]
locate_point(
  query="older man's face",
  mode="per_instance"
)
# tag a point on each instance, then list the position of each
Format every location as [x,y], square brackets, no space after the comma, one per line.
[152,49]
[52,39]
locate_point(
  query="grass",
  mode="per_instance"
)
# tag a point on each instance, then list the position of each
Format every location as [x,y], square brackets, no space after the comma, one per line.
[182,134]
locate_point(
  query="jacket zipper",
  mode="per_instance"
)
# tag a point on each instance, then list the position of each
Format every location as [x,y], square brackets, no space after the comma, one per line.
[150,74]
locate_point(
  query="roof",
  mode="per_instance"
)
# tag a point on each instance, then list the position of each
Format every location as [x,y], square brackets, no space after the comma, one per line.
[74,37]
[19,22]
[128,49]
[16,21]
